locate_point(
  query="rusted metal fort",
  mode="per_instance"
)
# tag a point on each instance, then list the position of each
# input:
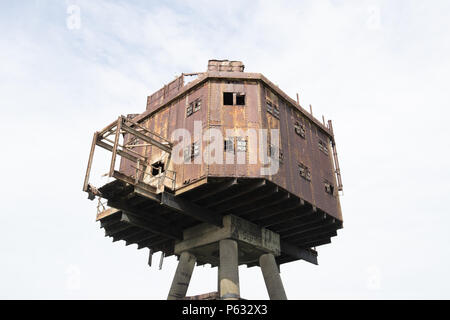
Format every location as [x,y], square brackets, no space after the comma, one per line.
[222,214]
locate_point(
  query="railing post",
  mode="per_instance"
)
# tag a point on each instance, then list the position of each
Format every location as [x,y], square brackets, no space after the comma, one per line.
[89,166]
[116,144]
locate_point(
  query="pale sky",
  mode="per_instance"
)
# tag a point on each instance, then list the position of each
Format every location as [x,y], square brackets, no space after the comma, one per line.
[379,69]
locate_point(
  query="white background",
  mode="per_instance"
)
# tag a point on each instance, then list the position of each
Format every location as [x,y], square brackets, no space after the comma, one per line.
[378,69]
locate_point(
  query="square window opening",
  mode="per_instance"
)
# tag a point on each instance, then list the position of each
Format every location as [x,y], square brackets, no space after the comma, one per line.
[189,110]
[329,188]
[157,168]
[195,149]
[304,172]
[227,98]
[240,99]
[229,145]
[269,107]
[241,145]
[276,112]
[197,105]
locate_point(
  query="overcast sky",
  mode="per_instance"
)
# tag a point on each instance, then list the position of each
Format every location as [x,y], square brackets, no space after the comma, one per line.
[379,69]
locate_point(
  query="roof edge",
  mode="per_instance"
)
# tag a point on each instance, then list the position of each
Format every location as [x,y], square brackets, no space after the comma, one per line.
[203,77]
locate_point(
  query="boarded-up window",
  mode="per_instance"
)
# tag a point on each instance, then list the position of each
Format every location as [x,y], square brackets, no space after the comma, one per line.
[300,129]
[229,145]
[241,144]
[269,107]
[195,149]
[304,172]
[193,107]
[191,151]
[329,187]
[197,105]
[276,111]
[187,154]
[189,110]
[273,109]
[273,151]
[323,146]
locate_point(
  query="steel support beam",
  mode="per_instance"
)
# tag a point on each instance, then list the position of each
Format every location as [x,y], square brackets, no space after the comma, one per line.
[299,253]
[191,209]
[151,226]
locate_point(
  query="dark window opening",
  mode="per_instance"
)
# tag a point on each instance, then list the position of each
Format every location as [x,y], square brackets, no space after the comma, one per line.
[157,168]
[240,99]
[329,188]
[195,149]
[234,82]
[229,145]
[227,98]
[193,107]
[197,105]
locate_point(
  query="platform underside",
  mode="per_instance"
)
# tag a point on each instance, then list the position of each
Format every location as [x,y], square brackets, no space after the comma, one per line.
[145,221]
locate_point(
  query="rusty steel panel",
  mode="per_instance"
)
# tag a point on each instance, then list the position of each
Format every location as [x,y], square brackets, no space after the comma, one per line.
[225,65]
[303,151]
[299,203]
[311,152]
[155,100]
[232,118]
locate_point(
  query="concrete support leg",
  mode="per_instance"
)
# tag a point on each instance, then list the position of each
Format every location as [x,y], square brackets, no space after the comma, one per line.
[272,277]
[228,270]
[218,279]
[182,276]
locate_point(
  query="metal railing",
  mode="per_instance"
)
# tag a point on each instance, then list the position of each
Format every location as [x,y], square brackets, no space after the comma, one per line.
[109,139]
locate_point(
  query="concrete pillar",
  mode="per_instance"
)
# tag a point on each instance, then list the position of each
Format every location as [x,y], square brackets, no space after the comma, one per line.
[228,270]
[272,277]
[182,276]
[218,279]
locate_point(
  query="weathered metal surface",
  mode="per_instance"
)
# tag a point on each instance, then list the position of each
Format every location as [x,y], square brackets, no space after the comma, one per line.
[169,90]
[225,65]
[296,150]
[299,202]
